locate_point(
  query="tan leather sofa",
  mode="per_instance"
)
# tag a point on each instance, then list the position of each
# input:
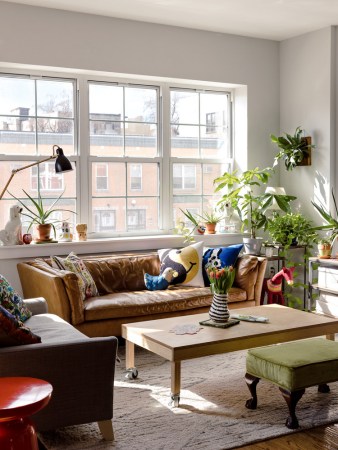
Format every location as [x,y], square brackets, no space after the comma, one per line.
[123,296]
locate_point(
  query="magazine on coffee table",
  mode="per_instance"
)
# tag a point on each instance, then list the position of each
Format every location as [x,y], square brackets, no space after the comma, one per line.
[260,319]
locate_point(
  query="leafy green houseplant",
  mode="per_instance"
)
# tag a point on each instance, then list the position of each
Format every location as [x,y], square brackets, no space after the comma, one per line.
[291,229]
[240,193]
[40,215]
[211,219]
[293,149]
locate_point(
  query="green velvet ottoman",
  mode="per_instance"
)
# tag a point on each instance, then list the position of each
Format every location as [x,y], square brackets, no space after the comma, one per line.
[293,366]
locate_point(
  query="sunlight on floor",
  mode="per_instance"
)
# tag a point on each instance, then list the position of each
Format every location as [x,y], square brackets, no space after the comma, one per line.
[189,401]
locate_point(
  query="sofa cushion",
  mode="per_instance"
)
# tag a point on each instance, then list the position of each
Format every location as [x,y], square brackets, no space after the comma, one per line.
[113,274]
[12,301]
[52,329]
[13,331]
[75,264]
[138,303]
[219,257]
[186,261]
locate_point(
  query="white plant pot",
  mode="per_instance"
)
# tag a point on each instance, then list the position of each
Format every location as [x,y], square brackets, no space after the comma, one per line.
[252,246]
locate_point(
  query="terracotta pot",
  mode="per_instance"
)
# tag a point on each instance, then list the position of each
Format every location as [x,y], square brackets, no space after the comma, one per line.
[210,228]
[44,231]
[324,251]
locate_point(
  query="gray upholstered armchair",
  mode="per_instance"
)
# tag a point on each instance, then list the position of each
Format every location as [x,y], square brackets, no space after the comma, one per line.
[80,369]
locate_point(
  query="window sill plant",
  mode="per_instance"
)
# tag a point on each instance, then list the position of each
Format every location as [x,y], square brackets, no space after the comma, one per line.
[41,216]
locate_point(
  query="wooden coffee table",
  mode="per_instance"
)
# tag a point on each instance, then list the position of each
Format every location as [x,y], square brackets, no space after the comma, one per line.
[285,324]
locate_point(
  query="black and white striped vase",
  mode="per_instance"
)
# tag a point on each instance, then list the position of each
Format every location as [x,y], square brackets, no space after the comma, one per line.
[219,311]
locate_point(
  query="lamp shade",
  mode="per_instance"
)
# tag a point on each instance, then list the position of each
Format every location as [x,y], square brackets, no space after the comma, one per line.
[62,164]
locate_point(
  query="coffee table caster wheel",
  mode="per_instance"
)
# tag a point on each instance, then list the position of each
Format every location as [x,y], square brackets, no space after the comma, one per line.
[132,373]
[175,400]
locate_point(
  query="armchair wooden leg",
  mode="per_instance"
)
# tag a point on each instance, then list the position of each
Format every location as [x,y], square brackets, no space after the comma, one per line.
[292,398]
[251,382]
[106,428]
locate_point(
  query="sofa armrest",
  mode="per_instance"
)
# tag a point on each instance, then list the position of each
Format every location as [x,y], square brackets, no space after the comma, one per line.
[81,373]
[250,271]
[36,305]
[59,288]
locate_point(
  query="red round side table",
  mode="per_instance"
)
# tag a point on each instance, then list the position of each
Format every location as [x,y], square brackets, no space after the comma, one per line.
[20,397]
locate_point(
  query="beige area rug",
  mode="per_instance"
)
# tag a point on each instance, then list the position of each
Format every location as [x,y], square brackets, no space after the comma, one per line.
[211,416]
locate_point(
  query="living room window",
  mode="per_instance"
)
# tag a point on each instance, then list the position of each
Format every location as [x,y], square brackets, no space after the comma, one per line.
[140,151]
[200,147]
[37,112]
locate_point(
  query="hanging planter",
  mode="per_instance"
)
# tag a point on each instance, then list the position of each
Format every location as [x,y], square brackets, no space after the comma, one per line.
[294,150]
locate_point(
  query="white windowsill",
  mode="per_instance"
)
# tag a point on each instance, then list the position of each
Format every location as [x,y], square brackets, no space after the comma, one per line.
[113,245]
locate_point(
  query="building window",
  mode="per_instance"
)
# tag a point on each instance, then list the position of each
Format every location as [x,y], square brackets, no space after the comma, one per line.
[105,220]
[101,177]
[49,180]
[184,176]
[136,177]
[136,219]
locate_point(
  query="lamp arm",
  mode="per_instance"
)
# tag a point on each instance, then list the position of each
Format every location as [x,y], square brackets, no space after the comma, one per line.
[15,171]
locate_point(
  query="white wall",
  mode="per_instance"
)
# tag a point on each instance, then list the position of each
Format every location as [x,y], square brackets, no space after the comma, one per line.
[65,40]
[307,99]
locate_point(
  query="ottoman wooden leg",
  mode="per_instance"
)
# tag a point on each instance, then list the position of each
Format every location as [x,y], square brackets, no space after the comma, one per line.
[292,398]
[323,388]
[251,382]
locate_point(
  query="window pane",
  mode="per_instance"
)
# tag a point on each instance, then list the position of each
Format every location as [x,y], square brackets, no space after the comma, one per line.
[213,109]
[116,176]
[184,107]
[143,179]
[141,140]
[142,214]
[106,138]
[210,172]
[55,131]
[105,100]
[55,98]
[184,141]
[214,144]
[141,105]
[17,96]
[185,202]
[52,116]
[187,177]
[17,135]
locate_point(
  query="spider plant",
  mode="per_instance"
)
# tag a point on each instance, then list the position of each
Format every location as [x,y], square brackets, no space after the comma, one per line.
[38,213]
[331,219]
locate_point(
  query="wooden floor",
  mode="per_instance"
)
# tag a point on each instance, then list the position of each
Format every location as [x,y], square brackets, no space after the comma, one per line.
[320,438]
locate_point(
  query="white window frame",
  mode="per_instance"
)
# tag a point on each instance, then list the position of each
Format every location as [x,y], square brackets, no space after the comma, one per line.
[81,140]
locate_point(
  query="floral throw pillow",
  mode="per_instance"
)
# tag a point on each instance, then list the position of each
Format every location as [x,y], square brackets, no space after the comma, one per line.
[14,332]
[75,264]
[12,301]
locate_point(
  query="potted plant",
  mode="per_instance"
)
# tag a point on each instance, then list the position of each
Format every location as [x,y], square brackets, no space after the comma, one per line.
[294,150]
[330,219]
[40,215]
[324,248]
[291,229]
[250,205]
[211,219]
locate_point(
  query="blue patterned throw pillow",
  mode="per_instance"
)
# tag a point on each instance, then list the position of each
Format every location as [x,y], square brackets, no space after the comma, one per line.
[12,301]
[220,257]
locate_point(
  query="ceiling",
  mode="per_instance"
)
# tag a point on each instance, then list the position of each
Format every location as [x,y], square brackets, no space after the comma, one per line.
[268,19]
